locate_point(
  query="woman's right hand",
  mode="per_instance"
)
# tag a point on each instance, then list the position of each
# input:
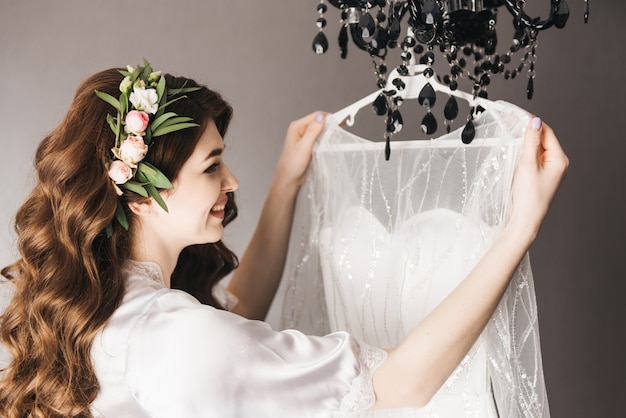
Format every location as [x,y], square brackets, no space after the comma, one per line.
[298,148]
[541,170]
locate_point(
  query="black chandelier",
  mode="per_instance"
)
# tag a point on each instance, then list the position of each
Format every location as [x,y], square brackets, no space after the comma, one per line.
[463,31]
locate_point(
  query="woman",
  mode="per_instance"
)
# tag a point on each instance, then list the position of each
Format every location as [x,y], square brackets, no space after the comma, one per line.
[95,328]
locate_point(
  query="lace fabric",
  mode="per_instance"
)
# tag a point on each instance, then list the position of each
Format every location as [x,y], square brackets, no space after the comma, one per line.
[362,396]
[153,272]
[377,244]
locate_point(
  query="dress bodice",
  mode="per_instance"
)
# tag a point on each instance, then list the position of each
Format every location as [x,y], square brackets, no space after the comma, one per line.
[389,240]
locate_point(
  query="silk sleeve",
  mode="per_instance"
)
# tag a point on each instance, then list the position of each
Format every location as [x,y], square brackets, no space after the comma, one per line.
[187,359]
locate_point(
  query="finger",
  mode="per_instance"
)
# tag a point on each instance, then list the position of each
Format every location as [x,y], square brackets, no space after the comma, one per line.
[532,140]
[299,126]
[313,129]
[549,141]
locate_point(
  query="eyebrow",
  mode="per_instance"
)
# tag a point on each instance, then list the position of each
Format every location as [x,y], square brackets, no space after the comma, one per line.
[216,152]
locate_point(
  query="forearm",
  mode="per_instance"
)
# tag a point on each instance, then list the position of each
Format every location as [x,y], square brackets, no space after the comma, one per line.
[257,278]
[420,365]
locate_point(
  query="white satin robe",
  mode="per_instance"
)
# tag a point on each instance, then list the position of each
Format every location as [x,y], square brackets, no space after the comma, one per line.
[163,354]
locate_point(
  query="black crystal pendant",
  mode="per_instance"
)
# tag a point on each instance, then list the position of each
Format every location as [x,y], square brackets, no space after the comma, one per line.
[431,13]
[394,122]
[387,149]
[367,25]
[530,89]
[427,96]
[451,110]
[429,124]
[320,43]
[380,105]
[398,83]
[561,15]
[342,39]
[467,136]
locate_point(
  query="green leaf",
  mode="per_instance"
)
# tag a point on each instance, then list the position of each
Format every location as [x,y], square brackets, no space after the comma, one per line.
[146,72]
[162,106]
[121,215]
[123,103]
[174,92]
[146,168]
[172,120]
[156,196]
[134,76]
[154,176]
[135,187]
[112,123]
[109,229]
[162,118]
[109,99]
[148,138]
[173,128]
[160,88]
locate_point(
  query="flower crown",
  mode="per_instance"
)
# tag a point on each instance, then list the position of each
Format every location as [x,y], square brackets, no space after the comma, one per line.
[141,116]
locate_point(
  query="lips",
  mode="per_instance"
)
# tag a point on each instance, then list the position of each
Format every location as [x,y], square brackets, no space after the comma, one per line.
[218,209]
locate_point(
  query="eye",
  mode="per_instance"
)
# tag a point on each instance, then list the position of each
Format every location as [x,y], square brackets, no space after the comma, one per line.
[212,168]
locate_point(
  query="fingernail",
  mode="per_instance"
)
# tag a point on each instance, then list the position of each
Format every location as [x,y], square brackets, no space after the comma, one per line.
[536,124]
[319,117]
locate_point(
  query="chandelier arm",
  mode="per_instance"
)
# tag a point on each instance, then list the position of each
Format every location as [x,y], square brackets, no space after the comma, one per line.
[357,39]
[528,21]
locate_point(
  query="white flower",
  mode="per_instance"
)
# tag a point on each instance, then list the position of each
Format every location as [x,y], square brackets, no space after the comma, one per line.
[144,99]
[155,76]
[125,85]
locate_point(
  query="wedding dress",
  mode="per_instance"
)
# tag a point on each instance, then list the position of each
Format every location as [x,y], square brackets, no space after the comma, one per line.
[377,244]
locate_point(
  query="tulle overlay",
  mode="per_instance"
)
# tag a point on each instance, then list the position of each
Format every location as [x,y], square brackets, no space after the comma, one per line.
[377,244]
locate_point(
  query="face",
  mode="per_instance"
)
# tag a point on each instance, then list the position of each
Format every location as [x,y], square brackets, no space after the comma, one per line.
[196,204]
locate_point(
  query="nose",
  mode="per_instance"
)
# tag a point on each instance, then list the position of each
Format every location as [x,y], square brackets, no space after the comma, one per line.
[229,181]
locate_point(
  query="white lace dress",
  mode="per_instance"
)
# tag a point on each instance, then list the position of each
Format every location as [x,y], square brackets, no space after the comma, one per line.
[378,244]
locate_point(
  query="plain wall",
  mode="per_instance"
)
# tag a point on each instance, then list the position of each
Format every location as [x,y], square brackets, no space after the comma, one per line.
[258,55]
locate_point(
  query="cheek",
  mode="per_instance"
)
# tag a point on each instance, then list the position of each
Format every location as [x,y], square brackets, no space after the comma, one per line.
[205,194]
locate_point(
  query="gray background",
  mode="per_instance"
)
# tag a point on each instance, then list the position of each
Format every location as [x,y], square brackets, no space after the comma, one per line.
[258,54]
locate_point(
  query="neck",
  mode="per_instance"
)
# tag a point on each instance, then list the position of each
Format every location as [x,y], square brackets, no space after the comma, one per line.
[146,247]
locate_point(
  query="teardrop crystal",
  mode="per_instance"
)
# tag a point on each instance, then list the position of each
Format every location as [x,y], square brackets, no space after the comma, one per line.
[394,30]
[387,149]
[467,136]
[320,43]
[561,15]
[451,110]
[343,41]
[431,13]
[367,25]
[380,105]
[530,89]
[427,96]
[429,123]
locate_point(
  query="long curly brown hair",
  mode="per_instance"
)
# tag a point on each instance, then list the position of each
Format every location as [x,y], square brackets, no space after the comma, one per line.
[68,278]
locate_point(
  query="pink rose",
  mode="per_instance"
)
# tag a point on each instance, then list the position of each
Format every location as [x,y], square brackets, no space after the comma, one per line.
[133,150]
[137,121]
[120,172]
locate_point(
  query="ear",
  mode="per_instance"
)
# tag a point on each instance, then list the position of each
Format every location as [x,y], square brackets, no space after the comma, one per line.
[143,208]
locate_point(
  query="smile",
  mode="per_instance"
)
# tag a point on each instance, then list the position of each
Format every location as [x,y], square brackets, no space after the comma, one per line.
[218,209]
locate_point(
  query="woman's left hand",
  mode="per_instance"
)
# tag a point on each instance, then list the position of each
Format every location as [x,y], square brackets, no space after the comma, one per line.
[298,148]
